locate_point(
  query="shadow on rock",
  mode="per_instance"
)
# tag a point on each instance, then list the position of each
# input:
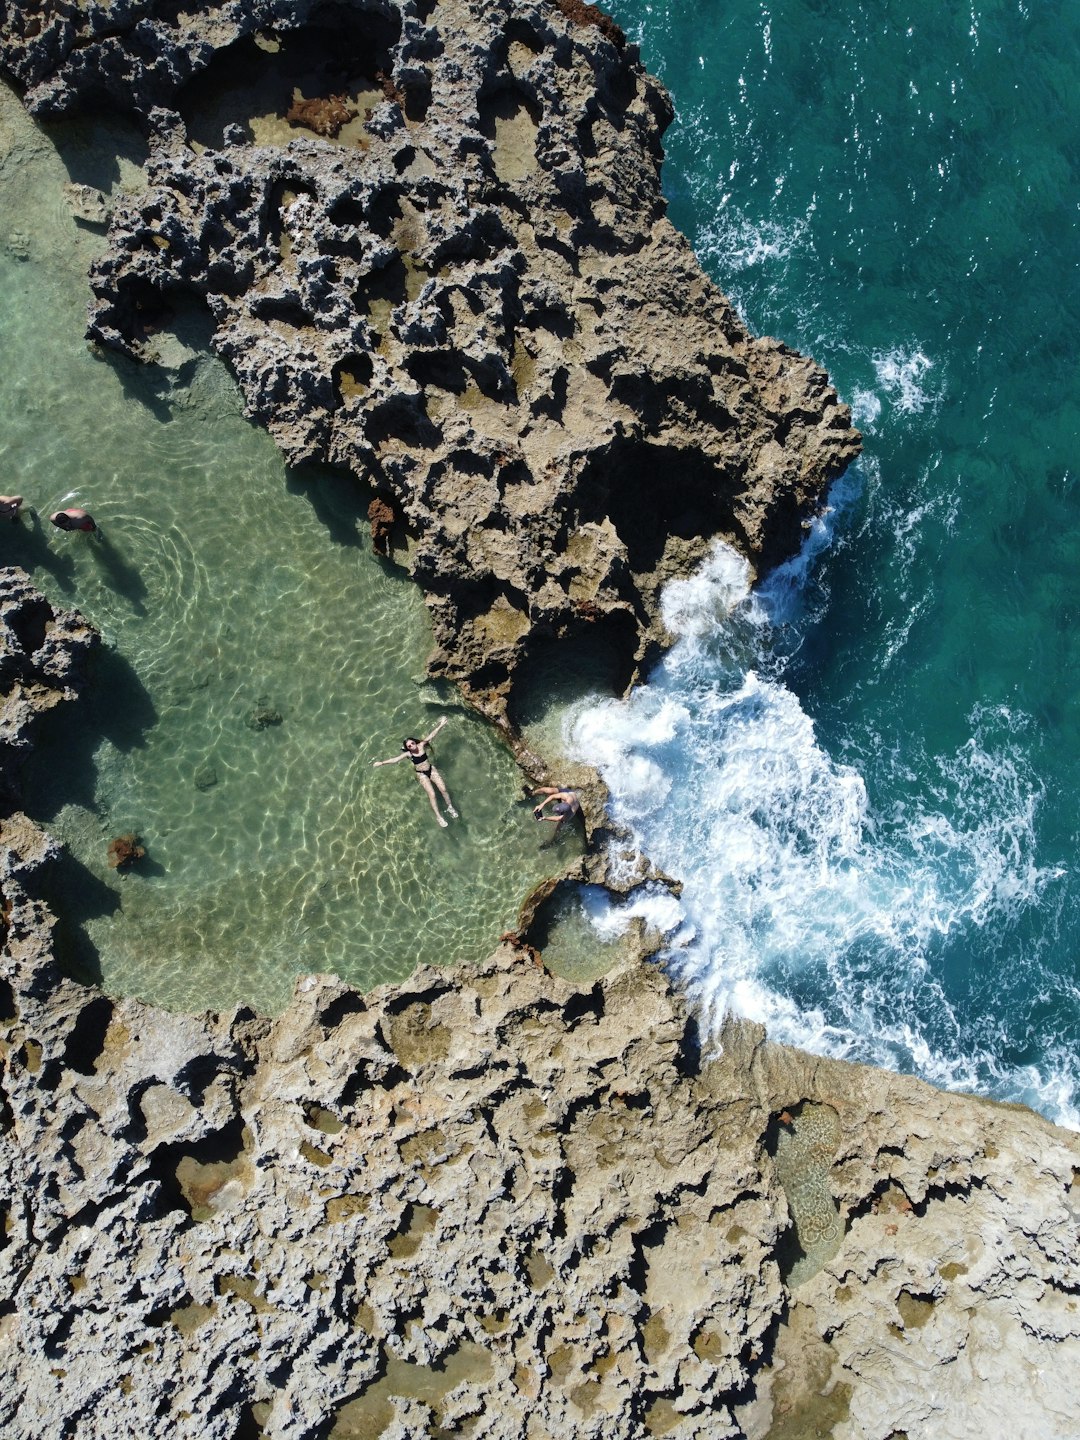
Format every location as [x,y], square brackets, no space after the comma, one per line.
[95,150]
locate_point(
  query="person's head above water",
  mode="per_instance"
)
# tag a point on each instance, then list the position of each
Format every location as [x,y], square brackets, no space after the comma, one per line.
[410,743]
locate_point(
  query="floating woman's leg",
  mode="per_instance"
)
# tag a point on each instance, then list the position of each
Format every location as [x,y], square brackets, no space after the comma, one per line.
[441,783]
[429,790]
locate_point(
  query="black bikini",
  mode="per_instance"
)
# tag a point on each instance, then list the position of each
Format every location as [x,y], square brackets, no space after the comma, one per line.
[419,760]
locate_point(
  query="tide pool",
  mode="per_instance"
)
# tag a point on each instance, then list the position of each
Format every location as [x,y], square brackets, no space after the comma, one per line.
[867,773]
[257,659]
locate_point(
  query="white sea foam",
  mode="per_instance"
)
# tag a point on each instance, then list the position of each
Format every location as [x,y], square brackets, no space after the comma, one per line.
[865,410]
[736,242]
[905,377]
[804,907]
[656,906]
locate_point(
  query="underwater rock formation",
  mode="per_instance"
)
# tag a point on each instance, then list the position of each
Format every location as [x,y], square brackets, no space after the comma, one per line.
[125,850]
[454,279]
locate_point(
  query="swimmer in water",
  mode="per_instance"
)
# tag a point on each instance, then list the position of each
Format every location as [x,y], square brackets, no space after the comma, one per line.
[563,801]
[10,505]
[416,751]
[73,519]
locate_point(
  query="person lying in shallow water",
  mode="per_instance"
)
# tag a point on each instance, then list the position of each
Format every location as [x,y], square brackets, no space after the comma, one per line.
[563,801]
[10,506]
[416,751]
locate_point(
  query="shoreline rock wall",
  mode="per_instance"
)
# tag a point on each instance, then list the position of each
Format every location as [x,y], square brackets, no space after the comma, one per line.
[432,241]
[487,1203]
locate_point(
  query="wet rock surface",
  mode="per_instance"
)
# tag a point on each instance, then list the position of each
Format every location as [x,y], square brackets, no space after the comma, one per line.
[495,1203]
[433,243]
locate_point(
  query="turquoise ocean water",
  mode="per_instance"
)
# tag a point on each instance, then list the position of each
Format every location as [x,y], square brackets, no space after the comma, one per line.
[868,773]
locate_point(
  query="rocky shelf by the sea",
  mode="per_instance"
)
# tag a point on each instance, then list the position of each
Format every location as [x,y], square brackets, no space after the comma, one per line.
[432,240]
[484,1203]
[492,1203]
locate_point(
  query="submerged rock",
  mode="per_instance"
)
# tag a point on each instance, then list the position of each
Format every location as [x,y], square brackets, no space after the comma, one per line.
[206,776]
[125,850]
[262,717]
[87,204]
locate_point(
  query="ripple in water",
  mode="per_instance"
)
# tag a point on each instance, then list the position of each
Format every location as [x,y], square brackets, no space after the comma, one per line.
[258,659]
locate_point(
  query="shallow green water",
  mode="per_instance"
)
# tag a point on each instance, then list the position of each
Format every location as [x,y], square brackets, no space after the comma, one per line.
[224,586]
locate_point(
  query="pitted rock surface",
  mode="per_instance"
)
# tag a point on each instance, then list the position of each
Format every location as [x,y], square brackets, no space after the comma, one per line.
[450,273]
[492,1203]
[497,1204]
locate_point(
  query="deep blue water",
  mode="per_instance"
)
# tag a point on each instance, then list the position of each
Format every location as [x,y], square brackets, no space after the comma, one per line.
[880,842]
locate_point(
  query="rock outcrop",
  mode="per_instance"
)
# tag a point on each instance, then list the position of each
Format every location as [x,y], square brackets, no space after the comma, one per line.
[432,239]
[501,1205]
[494,1203]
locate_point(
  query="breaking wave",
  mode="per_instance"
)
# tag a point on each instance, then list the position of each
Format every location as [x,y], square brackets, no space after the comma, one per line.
[840,925]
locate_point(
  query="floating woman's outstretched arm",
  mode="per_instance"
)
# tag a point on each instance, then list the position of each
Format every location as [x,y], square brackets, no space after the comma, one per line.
[428,738]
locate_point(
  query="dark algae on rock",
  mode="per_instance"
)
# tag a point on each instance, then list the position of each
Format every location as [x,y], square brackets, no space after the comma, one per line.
[455,280]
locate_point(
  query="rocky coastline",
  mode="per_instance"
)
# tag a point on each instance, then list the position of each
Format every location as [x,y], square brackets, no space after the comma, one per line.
[459,286]
[490,1202]
[431,242]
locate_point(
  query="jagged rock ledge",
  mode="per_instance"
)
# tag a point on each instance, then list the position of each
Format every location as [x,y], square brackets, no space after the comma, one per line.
[432,240]
[494,1203]
[487,1203]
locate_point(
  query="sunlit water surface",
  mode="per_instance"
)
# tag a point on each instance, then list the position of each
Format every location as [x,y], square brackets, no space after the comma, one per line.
[867,774]
[229,594]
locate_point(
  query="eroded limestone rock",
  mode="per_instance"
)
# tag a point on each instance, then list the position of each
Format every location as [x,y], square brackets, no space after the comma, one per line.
[495,1203]
[433,243]
[504,1200]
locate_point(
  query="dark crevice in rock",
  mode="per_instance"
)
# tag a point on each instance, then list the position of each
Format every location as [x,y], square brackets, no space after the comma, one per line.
[343,1005]
[586,1004]
[688,1057]
[29,624]
[340,49]
[86,1040]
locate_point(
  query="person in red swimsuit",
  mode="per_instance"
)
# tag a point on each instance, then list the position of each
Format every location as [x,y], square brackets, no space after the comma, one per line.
[73,519]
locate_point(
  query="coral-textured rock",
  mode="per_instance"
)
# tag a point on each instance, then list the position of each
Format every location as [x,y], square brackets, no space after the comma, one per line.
[505,1197]
[125,850]
[454,278]
[42,652]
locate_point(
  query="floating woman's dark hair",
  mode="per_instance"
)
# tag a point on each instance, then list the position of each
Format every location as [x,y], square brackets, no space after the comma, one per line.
[409,740]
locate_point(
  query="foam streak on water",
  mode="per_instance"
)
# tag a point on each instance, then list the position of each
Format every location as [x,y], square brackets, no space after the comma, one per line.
[804,906]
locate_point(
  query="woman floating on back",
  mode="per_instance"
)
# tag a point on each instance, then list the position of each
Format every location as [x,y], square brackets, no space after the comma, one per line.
[416,751]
